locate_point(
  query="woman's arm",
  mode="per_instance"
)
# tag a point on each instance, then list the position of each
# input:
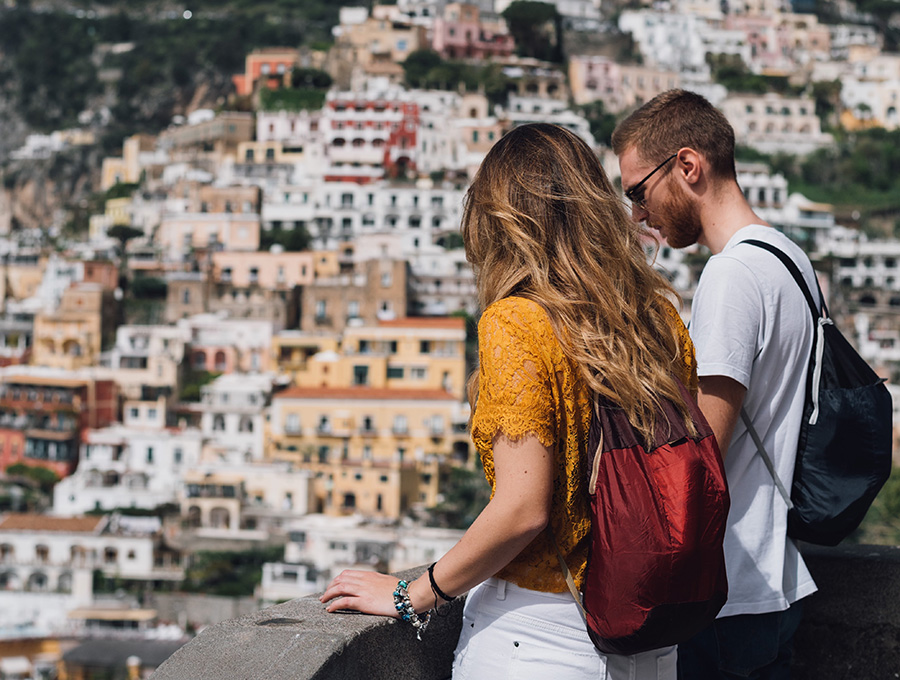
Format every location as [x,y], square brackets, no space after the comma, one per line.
[517,513]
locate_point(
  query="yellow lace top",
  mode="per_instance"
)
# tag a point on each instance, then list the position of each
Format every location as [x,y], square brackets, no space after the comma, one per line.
[528,386]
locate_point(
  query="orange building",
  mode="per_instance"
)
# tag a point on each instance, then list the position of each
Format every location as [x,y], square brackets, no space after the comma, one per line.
[267,67]
[43,414]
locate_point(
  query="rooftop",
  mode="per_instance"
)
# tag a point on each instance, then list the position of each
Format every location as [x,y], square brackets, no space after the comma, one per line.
[33,522]
[364,393]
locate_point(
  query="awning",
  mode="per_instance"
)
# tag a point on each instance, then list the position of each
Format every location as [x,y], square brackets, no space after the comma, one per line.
[15,665]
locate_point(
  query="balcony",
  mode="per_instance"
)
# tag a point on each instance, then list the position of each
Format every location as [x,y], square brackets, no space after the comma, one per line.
[850,630]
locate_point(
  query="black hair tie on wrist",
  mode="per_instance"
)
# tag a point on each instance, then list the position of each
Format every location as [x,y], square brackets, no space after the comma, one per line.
[434,586]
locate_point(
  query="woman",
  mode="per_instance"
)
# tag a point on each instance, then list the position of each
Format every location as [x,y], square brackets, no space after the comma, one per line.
[571,308]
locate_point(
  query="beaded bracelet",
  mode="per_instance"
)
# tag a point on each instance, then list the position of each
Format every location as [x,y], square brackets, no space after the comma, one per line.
[407,612]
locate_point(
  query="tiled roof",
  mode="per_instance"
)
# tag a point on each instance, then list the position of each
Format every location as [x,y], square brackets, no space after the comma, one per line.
[383,394]
[34,522]
[425,322]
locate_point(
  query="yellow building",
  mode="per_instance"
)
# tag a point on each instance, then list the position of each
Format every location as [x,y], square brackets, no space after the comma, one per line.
[117,212]
[127,168]
[425,353]
[375,451]
[73,336]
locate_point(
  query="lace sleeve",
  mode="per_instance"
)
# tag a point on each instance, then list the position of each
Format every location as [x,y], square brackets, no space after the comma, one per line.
[687,364]
[515,393]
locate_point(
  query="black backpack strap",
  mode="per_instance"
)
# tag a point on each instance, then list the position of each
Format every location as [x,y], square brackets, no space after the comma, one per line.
[798,277]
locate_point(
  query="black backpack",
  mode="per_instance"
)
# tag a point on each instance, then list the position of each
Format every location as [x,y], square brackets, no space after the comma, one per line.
[844,450]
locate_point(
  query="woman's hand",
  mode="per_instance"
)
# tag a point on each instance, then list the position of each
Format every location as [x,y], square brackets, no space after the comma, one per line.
[363,591]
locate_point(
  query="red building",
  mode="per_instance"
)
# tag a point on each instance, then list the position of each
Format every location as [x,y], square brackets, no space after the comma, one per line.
[43,415]
[370,132]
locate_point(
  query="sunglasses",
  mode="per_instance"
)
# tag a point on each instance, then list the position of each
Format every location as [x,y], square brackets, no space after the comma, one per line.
[636,193]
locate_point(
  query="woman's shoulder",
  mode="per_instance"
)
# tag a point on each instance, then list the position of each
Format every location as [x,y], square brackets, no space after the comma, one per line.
[515,310]
[516,321]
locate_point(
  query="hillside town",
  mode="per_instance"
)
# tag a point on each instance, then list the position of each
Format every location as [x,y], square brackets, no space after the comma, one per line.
[261,342]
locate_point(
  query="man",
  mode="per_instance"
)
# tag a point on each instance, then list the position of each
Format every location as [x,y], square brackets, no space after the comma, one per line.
[753,336]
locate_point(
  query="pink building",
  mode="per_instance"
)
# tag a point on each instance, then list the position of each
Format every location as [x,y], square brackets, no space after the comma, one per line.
[462,34]
[274,271]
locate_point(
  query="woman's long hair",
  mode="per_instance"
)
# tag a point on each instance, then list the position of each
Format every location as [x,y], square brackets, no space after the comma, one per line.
[542,221]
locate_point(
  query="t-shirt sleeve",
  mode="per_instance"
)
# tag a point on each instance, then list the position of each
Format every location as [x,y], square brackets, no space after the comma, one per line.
[726,318]
[514,395]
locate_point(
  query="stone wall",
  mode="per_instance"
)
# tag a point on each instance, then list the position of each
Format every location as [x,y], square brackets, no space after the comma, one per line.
[851,630]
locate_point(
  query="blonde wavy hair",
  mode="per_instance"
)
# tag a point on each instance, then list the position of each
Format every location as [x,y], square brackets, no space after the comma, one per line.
[541,220]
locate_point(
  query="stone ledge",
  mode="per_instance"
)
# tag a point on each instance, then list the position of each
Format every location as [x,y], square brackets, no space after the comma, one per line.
[851,630]
[299,640]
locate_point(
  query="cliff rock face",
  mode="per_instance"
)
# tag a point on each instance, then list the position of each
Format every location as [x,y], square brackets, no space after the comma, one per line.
[37,194]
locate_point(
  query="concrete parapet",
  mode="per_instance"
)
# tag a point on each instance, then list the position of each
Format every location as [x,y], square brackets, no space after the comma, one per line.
[299,640]
[851,629]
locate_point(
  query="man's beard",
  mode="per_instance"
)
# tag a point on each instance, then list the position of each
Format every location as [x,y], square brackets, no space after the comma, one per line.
[679,217]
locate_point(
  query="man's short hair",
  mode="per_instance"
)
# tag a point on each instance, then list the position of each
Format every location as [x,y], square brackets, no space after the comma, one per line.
[675,119]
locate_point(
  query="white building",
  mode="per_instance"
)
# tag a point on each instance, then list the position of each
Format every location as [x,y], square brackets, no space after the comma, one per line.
[47,564]
[772,123]
[233,409]
[338,213]
[124,466]
[668,39]
[319,547]
[146,360]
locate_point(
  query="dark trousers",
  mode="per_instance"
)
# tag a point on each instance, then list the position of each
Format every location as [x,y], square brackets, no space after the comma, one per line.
[747,646]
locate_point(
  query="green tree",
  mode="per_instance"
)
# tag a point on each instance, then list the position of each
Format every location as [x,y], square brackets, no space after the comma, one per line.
[827,95]
[882,523]
[418,65]
[310,78]
[602,123]
[465,495]
[228,573]
[149,288]
[537,29]
[44,477]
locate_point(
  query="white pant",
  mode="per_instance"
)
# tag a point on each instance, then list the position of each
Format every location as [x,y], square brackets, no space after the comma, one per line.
[519,634]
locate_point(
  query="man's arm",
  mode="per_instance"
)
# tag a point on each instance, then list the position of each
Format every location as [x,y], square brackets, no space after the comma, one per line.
[720,399]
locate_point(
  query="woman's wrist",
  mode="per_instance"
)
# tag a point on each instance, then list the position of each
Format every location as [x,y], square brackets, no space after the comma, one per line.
[420,594]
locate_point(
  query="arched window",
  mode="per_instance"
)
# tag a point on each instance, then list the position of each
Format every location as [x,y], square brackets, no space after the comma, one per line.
[220,518]
[219,423]
[194,517]
[37,582]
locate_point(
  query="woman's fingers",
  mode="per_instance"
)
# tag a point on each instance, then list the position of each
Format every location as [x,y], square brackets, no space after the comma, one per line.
[363,591]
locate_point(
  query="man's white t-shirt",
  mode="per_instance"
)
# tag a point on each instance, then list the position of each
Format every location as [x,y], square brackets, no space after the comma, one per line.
[750,322]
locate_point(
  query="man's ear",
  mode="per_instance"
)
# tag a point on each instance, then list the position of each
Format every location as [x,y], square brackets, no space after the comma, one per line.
[690,164]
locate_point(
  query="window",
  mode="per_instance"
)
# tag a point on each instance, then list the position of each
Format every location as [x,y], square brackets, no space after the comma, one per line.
[425,347]
[395,372]
[386,279]
[400,424]
[292,423]
[321,308]
[177,456]
[151,413]
[134,412]
[353,311]
[219,423]
[360,375]
[149,454]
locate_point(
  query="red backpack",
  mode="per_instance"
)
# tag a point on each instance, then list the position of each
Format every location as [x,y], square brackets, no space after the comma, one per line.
[655,574]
